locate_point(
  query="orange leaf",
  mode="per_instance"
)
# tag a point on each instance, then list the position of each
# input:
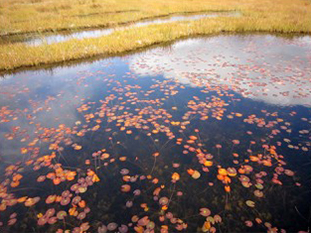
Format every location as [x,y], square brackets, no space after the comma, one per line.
[227,188]
[56,181]
[82,204]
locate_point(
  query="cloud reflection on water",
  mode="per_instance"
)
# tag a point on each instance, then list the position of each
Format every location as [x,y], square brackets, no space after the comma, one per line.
[262,67]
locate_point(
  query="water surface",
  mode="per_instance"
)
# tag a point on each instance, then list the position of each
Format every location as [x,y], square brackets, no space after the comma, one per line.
[206,134]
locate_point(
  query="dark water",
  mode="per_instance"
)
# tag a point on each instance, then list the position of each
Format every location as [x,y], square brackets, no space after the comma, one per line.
[144,142]
[60,37]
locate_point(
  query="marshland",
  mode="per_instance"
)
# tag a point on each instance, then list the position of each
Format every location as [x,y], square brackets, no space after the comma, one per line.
[155,116]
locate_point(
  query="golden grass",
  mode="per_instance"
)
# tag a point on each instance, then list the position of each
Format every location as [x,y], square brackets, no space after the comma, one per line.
[283,16]
[20,16]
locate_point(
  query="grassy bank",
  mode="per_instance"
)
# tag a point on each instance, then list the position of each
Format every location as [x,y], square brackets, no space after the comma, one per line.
[22,16]
[283,16]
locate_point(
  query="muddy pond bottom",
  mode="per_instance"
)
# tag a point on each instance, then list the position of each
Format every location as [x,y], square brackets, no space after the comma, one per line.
[205,135]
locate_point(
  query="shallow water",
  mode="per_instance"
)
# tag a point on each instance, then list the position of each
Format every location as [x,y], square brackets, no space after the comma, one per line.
[142,140]
[55,38]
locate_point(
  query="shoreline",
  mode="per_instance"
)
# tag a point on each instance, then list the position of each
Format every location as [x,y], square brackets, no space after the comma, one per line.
[81,57]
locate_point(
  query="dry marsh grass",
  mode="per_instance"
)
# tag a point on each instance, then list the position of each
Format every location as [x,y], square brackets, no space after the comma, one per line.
[46,15]
[282,16]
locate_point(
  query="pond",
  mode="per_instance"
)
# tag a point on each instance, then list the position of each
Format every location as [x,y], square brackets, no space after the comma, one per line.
[50,38]
[204,135]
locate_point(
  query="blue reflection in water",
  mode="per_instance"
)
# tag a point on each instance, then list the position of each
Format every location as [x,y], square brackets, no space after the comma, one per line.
[254,89]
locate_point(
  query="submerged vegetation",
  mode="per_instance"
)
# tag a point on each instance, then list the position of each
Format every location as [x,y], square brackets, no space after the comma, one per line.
[282,16]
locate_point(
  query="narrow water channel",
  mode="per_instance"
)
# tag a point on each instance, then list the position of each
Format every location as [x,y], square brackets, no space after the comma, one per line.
[37,39]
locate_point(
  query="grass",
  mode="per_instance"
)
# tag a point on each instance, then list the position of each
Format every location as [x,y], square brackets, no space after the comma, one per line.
[22,16]
[282,16]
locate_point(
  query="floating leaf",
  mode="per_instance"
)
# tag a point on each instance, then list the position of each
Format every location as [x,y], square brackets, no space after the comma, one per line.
[250,203]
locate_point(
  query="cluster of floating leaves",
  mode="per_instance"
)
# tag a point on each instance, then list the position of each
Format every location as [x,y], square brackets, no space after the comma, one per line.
[136,159]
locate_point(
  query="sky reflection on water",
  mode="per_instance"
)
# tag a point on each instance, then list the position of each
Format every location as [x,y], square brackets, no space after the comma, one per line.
[209,134]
